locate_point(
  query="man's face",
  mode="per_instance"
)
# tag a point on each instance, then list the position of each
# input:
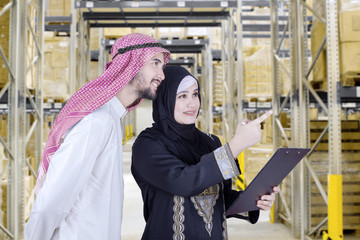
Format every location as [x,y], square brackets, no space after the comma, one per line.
[150,77]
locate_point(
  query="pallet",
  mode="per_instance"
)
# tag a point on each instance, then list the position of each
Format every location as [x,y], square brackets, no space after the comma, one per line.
[260,99]
[319,161]
[195,37]
[319,84]
[350,188]
[348,125]
[350,79]
[54,99]
[169,37]
[217,103]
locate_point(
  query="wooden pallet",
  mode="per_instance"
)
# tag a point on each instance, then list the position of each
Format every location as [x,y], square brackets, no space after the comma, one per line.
[259,99]
[351,188]
[172,37]
[54,99]
[195,37]
[350,79]
[319,85]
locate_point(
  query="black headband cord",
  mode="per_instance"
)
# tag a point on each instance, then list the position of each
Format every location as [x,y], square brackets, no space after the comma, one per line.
[133,47]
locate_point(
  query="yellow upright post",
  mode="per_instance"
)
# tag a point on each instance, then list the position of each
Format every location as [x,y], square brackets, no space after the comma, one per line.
[272,214]
[240,180]
[335,207]
[127,133]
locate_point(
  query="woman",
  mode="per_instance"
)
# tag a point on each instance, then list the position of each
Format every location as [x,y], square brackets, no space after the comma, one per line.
[185,174]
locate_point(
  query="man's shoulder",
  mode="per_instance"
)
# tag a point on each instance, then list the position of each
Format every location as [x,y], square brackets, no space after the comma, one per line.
[102,115]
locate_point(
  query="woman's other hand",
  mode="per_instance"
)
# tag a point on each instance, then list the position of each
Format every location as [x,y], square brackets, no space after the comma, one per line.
[266,201]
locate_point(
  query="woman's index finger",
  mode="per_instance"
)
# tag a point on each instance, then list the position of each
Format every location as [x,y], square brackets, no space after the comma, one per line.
[263,117]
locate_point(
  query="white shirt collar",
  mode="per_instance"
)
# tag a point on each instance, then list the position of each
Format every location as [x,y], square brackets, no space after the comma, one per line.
[120,110]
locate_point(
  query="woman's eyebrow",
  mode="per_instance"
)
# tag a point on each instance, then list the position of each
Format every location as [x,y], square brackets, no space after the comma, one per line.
[185,91]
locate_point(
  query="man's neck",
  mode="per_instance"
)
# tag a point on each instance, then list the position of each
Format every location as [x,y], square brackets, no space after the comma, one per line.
[127,97]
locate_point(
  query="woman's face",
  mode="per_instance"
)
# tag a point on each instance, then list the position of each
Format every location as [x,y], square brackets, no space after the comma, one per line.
[187,105]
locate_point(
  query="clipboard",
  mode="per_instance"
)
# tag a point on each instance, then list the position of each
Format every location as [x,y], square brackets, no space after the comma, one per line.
[275,170]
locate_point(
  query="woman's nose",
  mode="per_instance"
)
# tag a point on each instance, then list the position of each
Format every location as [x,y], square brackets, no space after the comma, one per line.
[191,102]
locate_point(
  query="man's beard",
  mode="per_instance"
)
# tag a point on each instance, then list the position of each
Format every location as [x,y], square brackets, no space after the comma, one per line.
[142,92]
[147,93]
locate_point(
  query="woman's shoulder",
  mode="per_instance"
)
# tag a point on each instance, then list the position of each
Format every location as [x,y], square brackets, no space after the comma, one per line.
[149,134]
[149,138]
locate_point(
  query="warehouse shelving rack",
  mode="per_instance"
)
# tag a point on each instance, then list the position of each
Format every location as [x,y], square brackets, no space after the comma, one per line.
[87,14]
[17,108]
[26,28]
[301,96]
[298,97]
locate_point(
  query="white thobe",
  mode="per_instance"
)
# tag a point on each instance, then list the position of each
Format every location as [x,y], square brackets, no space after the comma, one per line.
[82,196]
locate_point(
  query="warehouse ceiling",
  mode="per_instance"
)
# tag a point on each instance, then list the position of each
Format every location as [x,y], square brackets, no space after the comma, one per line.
[155,13]
[167,13]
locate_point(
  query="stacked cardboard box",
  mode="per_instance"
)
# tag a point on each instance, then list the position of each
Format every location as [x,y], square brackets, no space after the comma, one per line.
[56,67]
[350,156]
[216,38]
[255,158]
[217,84]
[349,45]
[168,33]
[196,33]
[94,38]
[319,161]
[115,33]
[4,42]
[217,125]
[257,74]
[59,8]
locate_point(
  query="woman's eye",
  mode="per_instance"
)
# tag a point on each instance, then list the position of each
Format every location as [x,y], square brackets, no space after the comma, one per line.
[196,94]
[182,96]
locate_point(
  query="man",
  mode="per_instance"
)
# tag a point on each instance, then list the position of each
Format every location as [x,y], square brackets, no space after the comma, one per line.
[80,184]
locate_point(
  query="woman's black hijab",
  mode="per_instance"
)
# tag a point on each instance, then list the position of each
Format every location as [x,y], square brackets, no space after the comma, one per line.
[183,140]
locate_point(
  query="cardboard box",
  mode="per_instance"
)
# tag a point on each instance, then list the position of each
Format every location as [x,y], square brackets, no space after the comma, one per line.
[349,26]
[94,38]
[349,52]
[115,33]
[257,74]
[60,59]
[56,8]
[319,7]
[318,32]
[350,58]
[56,89]
[67,7]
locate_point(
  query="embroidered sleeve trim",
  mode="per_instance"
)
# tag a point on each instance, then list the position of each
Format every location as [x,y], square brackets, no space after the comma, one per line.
[179,218]
[226,162]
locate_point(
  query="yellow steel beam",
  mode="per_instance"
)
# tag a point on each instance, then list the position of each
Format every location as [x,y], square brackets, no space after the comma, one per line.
[240,184]
[335,209]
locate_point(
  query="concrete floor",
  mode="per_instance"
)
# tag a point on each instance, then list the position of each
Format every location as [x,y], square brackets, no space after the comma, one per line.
[133,222]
